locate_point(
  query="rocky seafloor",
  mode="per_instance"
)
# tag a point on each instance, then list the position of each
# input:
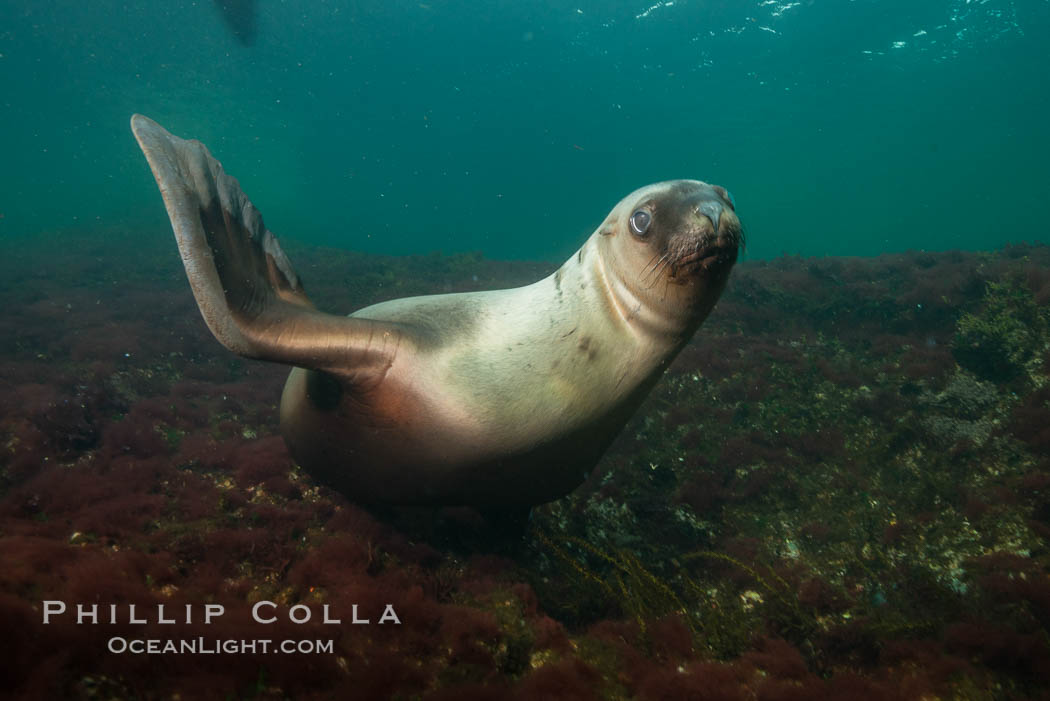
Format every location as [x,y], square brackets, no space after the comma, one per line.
[841,489]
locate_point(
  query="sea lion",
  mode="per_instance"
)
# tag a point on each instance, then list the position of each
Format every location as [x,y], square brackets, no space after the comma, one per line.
[496,399]
[239,16]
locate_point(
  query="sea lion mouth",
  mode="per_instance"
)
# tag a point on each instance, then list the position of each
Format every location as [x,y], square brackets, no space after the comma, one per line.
[712,259]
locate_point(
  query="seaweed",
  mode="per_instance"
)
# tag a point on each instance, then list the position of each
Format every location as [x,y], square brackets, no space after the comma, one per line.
[840,489]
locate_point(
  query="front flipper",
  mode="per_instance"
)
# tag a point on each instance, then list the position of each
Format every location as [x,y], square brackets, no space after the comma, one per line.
[245,286]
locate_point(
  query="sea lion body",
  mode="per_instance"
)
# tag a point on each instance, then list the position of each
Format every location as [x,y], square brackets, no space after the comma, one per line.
[520,396]
[496,398]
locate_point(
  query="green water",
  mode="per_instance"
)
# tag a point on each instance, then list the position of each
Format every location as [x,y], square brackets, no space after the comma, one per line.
[511,127]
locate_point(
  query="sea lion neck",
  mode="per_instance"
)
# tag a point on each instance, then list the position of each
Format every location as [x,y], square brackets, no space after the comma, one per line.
[613,287]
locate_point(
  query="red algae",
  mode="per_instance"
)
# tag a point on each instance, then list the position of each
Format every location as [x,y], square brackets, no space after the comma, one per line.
[262,460]
[470,634]
[703,681]
[550,635]
[1031,421]
[777,658]
[568,680]
[703,493]
[1000,647]
[671,638]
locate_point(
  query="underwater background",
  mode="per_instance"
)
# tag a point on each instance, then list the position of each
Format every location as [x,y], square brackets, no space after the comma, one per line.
[839,490]
[511,127]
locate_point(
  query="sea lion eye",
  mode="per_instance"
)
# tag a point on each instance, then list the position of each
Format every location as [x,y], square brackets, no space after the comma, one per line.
[640,222]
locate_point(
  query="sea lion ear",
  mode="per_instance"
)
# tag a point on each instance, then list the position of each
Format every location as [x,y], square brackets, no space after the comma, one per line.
[245,286]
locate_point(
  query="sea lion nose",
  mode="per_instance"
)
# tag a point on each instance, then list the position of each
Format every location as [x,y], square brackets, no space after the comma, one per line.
[712,209]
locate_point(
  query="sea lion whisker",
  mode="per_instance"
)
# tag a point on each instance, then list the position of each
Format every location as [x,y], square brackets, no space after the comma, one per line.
[652,261]
[655,267]
[657,272]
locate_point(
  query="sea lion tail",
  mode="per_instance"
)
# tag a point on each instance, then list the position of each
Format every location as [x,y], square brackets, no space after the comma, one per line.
[245,286]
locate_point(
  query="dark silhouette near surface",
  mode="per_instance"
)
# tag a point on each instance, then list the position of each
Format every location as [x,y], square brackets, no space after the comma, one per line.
[239,16]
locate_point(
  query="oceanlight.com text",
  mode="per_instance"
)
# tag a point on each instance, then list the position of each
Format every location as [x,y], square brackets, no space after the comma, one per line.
[206,646]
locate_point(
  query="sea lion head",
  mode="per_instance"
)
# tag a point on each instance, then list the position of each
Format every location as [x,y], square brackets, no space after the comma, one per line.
[672,245]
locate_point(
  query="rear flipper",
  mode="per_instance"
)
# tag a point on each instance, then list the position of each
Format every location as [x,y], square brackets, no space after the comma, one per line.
[245,286]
